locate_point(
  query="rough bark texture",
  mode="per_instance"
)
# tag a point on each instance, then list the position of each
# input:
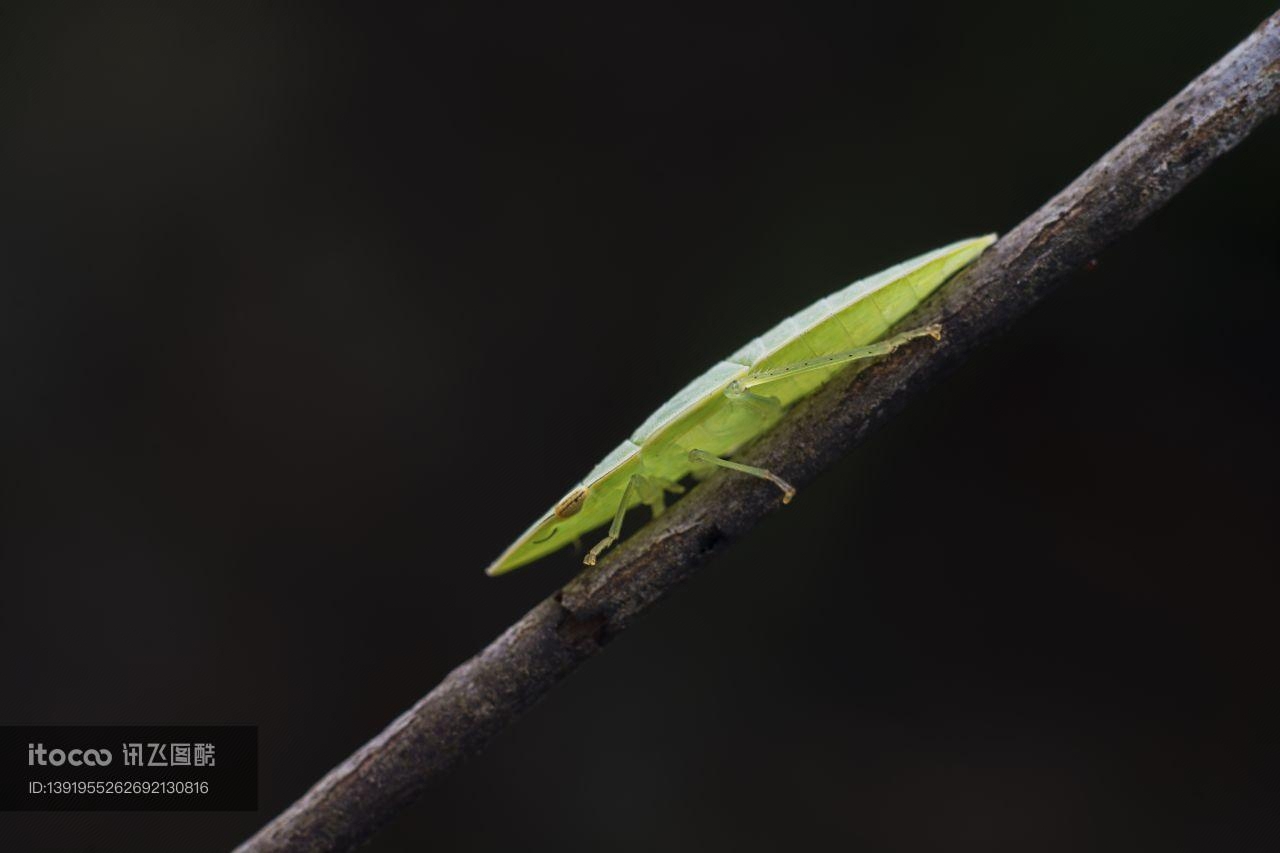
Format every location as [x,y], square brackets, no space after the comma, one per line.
[486,693]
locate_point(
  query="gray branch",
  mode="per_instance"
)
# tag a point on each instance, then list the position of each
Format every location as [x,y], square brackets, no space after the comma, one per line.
[484,695]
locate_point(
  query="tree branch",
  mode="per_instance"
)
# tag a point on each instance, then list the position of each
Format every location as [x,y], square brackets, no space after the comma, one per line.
[481,697]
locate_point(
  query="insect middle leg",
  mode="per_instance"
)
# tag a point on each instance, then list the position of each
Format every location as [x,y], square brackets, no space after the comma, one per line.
[702,456]
[653,492]
[738,388]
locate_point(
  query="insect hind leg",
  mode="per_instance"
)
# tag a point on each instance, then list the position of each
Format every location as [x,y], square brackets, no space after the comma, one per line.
[738,388]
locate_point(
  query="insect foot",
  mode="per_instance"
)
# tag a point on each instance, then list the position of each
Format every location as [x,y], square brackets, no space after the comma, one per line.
[933,330]
[594,553]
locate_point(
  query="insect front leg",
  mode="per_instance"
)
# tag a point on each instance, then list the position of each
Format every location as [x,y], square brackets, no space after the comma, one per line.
[702,456]
[652,491]
[637,481]
[738,388]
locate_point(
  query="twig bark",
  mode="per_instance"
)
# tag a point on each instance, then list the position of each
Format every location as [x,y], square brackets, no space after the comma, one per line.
[481,697]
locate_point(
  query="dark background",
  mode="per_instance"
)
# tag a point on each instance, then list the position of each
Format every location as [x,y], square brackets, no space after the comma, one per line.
[306,313]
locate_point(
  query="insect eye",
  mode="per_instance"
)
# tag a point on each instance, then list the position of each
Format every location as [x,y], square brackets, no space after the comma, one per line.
[572,503]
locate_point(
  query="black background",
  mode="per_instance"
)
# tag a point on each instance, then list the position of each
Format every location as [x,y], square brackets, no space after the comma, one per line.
[305,313]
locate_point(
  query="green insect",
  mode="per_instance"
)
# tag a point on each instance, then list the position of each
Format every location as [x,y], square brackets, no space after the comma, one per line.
[719,412]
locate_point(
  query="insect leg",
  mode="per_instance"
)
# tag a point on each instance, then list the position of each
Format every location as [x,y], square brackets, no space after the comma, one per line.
[652,496]
[758,403]
[653,492]
[615,529]
[738,388]
[667,485]
[788,490]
